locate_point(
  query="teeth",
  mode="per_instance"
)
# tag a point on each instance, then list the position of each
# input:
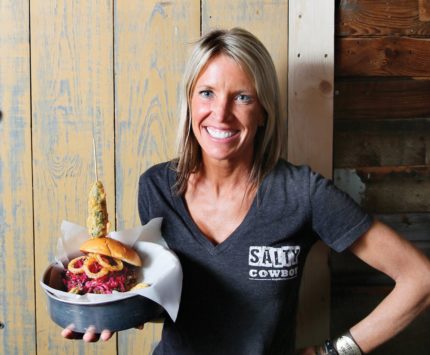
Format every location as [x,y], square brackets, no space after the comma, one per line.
[219,134]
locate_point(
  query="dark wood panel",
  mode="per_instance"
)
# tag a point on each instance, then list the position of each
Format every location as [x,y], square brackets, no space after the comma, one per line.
[376,97]
[386,56]
[387,189]
[424,10]
[381,18]
[414,226]
[361,143]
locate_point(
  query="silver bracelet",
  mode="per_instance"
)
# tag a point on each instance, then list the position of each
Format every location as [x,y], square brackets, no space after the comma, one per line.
[346,345]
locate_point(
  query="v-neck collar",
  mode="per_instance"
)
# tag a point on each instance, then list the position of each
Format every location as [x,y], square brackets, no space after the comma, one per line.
[214,249]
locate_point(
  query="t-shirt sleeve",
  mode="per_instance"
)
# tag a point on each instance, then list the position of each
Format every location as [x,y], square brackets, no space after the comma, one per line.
[336,217]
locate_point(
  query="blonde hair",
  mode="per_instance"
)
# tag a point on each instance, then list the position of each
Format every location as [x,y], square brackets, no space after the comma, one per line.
[253,57]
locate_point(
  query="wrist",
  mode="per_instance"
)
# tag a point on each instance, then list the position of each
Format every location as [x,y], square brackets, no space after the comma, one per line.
[343,345]
[346,345]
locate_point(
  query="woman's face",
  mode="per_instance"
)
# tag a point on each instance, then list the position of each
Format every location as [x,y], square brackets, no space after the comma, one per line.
[225,112]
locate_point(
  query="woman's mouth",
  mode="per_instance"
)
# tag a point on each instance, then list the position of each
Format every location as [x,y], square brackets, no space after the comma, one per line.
[220,133]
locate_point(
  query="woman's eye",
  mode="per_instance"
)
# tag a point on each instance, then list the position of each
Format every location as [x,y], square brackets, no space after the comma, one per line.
[205,93]
[244,98]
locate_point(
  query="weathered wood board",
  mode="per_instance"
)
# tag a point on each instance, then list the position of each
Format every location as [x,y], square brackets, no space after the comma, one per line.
[381,142]
[72,101]
[17,318]
[152,42]
[310,140]
[367,18]
[404,189]
[384,98]
[384,56]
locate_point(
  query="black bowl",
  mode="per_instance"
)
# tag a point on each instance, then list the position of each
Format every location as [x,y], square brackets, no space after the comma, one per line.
[112,315]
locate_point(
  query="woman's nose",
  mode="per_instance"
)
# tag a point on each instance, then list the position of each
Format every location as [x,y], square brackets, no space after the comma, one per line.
[221,110]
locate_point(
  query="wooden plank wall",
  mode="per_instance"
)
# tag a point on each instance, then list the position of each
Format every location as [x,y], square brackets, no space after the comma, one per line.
[382,143]
[74,70]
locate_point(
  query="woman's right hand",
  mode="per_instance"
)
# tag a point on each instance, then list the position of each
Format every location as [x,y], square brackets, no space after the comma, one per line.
[90,336]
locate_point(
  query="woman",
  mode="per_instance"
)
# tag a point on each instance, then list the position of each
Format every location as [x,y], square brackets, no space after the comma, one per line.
[242,220]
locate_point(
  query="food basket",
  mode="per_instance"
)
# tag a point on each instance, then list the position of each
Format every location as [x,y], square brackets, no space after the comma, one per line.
[119,314]
[161,271]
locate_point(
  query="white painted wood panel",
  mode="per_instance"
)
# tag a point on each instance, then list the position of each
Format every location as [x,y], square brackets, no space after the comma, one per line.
[17,318]
[310,140]
[152,41]
[72,100]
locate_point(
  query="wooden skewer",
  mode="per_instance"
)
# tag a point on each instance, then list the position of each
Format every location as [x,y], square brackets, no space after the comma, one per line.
[95,159]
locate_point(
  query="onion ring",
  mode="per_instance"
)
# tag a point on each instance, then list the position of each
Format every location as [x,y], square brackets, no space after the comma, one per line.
[93,275]
[118,263]
[76,270]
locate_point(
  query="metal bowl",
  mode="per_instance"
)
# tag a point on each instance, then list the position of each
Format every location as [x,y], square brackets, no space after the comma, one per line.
[114,315]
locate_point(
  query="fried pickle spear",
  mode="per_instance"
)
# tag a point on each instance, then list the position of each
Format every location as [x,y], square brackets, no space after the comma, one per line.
[97,221]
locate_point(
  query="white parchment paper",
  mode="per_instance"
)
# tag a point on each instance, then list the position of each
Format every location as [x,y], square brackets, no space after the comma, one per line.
[161,268]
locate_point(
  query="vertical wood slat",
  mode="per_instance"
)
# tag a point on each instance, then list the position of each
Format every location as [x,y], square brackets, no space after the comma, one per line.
[311,77]
[151,47]
[72,99]
[17,331]
[310,137]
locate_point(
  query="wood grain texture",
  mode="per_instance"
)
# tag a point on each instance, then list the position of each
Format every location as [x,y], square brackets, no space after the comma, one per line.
[17,318]
[400,189]
[311,76]
[386,142]
[310,139]
[424,10]
[385,56]
[72,100]
[381,98]
[373,18]
[152,43]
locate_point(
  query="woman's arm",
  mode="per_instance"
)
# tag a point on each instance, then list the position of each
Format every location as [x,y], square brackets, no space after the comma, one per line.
[383,249]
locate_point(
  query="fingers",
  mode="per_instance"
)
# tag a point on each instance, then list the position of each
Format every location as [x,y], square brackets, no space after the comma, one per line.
[68,333]
[106,335]
[90,336]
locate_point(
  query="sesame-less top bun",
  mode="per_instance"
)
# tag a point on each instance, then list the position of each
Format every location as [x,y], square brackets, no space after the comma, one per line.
[113,248]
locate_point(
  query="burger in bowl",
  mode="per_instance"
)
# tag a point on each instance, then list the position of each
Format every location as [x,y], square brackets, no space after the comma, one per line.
[106,266]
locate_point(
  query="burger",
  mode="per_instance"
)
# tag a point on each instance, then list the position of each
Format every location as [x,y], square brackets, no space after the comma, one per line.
[106,266]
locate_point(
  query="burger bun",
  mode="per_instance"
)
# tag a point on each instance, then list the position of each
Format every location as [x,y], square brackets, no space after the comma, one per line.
[113,248]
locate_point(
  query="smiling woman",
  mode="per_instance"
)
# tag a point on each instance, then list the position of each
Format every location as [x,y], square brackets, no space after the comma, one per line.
[246,58]
[226,113]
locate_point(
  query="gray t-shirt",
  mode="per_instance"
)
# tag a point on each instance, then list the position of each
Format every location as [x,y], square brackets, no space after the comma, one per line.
[240,296]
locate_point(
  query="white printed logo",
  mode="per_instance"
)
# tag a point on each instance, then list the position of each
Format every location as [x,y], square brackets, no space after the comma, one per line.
[269,263]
